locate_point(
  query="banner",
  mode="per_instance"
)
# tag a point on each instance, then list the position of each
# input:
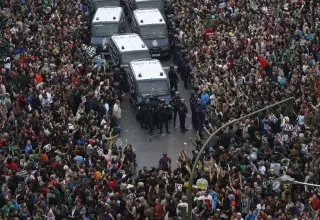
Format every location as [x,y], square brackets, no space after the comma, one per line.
[273,118]
[91,51]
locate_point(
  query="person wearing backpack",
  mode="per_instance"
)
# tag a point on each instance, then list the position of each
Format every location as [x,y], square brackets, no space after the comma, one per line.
[165,163]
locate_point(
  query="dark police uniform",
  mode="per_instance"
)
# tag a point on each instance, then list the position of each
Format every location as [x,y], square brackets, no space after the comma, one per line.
[143,109]
[182,116]
[154,103]
[164,111]
[150,118]
[175,101]
[193,104]
[173,77]
[200,115]
[186,71]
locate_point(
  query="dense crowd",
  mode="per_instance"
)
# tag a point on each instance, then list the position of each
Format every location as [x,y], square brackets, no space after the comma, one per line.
[240,56]
[61,114]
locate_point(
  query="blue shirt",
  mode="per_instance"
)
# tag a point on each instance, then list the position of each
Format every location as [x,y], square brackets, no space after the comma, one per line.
[250,217]
[28,148]
[264,126]
[205,99]
[79,160]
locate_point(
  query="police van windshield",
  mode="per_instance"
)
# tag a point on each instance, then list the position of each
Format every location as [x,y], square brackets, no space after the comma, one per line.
[155,87]
[136,55]
[150,4]
[103,3]
[106,29]
[154,31]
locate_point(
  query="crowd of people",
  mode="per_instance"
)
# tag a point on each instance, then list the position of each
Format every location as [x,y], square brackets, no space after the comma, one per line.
[238,57]
[61,114]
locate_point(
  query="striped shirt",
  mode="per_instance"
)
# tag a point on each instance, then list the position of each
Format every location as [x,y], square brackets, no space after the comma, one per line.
[23,173]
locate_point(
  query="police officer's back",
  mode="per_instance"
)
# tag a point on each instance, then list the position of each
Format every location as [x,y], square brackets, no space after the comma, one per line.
[200,116]
[193,104]
[150,114]
[143,108]
[182,110]
[164,112]
[173,78]
[154,103]
[175,101]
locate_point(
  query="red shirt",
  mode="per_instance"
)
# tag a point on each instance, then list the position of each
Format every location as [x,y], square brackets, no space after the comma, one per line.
[158,211]
[262,62]
[12,166]
[112,184]
[315,203]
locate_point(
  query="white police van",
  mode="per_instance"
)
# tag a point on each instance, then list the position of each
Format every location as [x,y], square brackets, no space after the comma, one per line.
[106,22]
[152,28]
[131,5]
[125,48]
[147,78]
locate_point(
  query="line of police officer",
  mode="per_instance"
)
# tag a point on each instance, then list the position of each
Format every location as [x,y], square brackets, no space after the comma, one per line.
[154,113]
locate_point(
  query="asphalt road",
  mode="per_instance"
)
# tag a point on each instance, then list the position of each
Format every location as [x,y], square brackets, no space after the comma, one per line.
[150,148]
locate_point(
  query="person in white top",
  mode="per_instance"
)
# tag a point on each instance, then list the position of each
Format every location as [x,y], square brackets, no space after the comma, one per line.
[117,111]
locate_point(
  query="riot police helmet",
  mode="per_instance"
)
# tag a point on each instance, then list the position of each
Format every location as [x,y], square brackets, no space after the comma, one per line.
[193,92]
[182,100]
[163,101]
[176,93]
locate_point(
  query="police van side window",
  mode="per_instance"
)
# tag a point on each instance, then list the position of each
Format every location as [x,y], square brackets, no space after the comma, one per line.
[131,82]
[132,4]
[122,24]
[134,26]
[113,53]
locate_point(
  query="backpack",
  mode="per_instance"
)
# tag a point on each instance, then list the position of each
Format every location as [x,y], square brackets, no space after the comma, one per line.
[166,165]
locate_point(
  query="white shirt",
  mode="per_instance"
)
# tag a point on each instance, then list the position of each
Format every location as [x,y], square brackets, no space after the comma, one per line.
[117,110]
[262,170]
[49,98]
[276,167]
[182,204]
[300,119]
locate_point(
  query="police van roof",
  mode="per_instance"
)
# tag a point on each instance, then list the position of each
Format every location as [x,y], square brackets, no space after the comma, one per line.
[107,14]
[147,69]
[148,16]
[128,42]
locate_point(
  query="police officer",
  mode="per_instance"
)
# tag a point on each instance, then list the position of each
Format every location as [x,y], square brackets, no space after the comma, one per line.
[186,71]
[143,109]
[182,115]
[172,92]
[154,103]
[173,78]
[150,113]
[164,112]
[200,116]
[175,101]
[193,104]
[124,79]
